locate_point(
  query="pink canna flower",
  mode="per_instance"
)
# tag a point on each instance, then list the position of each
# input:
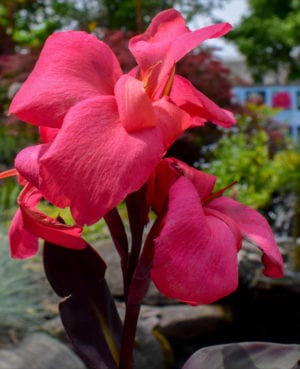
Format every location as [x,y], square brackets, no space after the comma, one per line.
[29,224]
[104,132]
[200,234]
[165,42]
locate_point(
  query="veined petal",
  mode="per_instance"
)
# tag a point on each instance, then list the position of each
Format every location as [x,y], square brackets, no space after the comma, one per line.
[255,229]
[203,182]
[27,162]
[190,40]
[48,134]
[23,244]
[165,42]
[196,104]
[134,106]
[167,173]
[72,66]
[94,163]
[193,262]
[171,120]
[183,44]
[152,45]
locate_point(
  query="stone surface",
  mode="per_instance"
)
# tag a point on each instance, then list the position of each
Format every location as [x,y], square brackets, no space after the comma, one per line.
[186,323]
[40,351]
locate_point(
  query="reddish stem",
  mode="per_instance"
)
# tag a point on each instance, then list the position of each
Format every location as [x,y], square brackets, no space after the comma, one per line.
[128,338]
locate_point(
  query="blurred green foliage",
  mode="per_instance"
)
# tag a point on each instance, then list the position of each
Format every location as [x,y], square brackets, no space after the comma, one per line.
[269,37]
[9,191]
[250,155]
[29,22]
[13,138]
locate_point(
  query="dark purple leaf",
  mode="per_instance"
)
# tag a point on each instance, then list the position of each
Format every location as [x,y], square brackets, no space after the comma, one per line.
[246,355]
[88,313]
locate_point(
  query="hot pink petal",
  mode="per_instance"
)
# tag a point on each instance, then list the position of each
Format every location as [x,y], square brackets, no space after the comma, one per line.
[94,163]
[171,120]
[134,106]
[198,105]
[203,182]
[72,66]
[48,134]
[27,162]
[166,41]
[193,262]
[47,228]
[23,244]
[254,228]
[152,46]
[167,173]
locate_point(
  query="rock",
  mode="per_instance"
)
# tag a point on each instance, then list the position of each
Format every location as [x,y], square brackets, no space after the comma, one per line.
[148,351]
[113,274]
[40,351]
[186,323]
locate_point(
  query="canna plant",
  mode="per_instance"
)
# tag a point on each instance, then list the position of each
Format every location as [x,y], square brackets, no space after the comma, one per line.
[104,138]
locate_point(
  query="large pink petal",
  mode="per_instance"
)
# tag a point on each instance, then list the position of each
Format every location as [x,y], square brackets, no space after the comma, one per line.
[134,106]
[254,228]
[72,66]
[23,244]
[195,255]
[94,163]
[195,103]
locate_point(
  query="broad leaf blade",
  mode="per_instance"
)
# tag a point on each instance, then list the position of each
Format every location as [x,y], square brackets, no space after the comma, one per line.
[246,355]
[89,314]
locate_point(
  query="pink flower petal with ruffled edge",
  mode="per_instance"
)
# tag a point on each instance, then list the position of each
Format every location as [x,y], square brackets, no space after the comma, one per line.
[166,41]
[167,173]
[151,46]
[28,224]
[47,228]
[197,105]
[134,106]
[255,229]
[195,258]
[23,244]
[94,163]
[72,67]
[170,120]
[27,163]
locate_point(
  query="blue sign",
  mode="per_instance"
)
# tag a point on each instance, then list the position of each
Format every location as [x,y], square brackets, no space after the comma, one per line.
[286,98]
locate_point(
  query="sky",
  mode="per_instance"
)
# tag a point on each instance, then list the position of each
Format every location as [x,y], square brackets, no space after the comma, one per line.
[232,12]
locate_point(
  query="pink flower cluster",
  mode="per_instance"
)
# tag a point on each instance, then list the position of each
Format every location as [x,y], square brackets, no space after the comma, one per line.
[104,135]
